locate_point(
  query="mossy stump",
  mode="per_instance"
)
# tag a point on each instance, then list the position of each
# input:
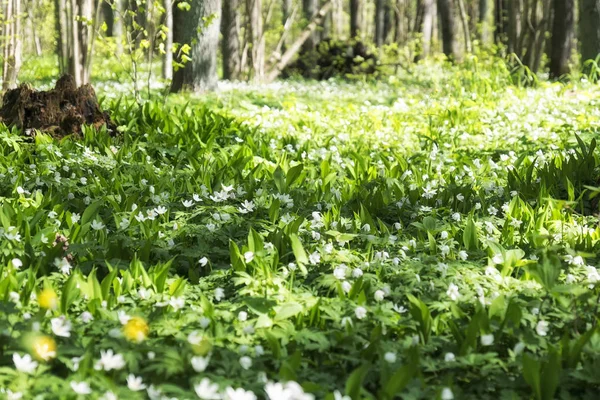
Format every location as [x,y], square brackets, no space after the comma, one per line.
[58,112]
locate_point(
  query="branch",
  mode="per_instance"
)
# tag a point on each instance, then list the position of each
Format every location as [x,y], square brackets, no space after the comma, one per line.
[297,45]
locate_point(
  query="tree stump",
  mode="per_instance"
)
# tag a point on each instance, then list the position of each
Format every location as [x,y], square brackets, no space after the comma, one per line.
[59,112]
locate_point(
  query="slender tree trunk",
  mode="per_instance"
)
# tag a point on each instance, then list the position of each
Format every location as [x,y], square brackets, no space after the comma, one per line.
[562,37]
[427,27]
[167,67]
[338,18]
[514,25]
[388,21]
[501,21]
[150,28]
[60,20]
[75,44]
[109,18]
[118,15]
[464,20]
[286,13]
[309,9]
[13,44]
[256,38]
[356,21]
[230,45]
[447,27]
[589,29]
[400,12]
[484,22]
[379,22]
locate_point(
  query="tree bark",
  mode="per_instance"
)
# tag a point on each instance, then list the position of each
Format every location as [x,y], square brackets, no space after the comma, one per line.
[309,9]
[464,19]
[447,25]
[256,38]
[118,25]
[230,44]
[286,13]
[484,22]
[514,25]
[12,44]
[589,29]
[167,67]
[501,22]
[379,22]
[562,37]
[287,57]
[200,28]
[356,21]
[427,27]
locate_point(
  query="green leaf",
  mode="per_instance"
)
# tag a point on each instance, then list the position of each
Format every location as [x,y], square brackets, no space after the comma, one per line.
[287,310]
[470,240]
[298,249]
[237,261]
[69,294]
[355,381]
[531,373]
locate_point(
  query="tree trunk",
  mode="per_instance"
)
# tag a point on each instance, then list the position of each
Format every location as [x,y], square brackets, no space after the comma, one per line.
[447,27]
[118,16]
[286,13]
[230,44]
[356,21]
[501,22]
[514,25]
[13,44]
[589,29]
[167,67]
[200,74]
[297,45]
[309,9]
[60,20]
[464,20]
[400,30]
[379,22]
[256,38]
[562,37]
[337,18]
[484,22]
[109,18]
[427,27]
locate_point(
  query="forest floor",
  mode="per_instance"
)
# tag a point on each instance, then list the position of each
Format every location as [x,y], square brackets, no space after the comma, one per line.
[426,236]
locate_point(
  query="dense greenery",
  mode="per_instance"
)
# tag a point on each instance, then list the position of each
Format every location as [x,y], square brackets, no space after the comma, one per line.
[433,235]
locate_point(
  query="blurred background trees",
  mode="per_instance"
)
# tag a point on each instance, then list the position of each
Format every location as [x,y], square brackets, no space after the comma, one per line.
[191,44]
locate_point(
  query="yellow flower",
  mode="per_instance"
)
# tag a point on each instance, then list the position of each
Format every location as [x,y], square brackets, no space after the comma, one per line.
[47,299]
[44,348]
[136,329]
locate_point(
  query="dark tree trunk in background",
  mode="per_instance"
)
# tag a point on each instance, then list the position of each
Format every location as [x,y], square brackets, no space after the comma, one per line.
[167,66]
[589,29]
[230,44]
[484,22]
[514,25]
[200,74]
[309,9]
[562,37]
[286,11]
[109,18]
[447,25]
[388,22]
[356,22]
[501,21]
[379,22]
[427,27]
